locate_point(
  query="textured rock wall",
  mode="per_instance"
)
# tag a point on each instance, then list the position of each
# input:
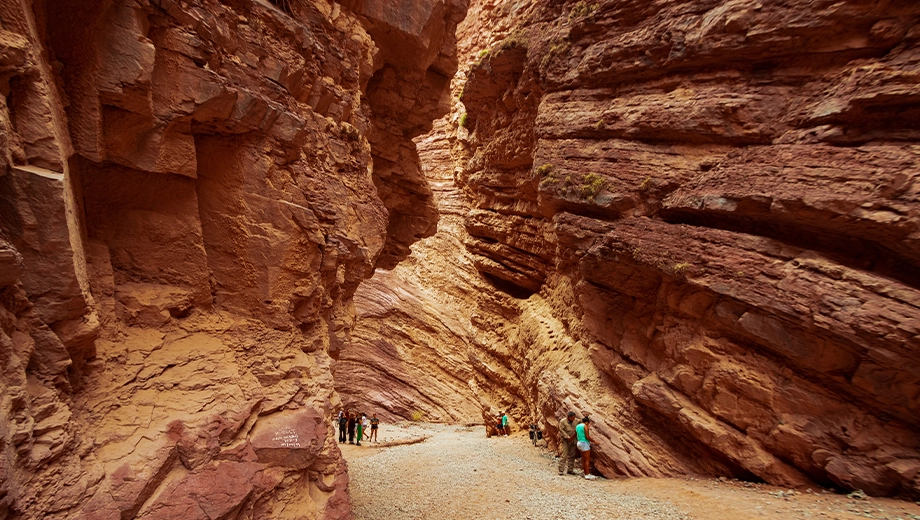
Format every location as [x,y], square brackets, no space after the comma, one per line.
[190,193]
[693,221]
[410,348]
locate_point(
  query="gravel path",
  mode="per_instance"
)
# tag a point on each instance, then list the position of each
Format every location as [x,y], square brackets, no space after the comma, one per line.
[459,473]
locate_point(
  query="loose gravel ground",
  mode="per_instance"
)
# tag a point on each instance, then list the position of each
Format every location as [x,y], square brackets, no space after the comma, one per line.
[458,473]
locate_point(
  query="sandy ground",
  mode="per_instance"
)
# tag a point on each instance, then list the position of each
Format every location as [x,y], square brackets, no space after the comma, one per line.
[456,472]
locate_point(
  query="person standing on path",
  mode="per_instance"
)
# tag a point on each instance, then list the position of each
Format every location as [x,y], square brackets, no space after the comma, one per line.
[505,428]
[584,446]
[567,444]
[351,428]
[359,424]
[375,422]
[365,427]
[343,425]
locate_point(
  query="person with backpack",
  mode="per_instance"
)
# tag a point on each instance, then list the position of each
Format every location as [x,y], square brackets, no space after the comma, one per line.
[506,430]
[584,446]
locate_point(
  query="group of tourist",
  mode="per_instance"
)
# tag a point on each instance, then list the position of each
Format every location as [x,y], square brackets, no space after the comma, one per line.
[574,437]
[357,426]
[574,440]
[502,427]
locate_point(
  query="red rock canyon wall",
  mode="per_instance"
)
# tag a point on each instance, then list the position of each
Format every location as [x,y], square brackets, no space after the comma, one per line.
[693,220]
[190,193]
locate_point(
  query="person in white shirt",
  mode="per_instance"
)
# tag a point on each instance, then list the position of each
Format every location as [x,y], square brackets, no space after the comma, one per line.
[366,424]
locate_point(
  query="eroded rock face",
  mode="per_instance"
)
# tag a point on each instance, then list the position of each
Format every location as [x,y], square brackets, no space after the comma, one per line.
[190,194]
[693,221]
[409,355]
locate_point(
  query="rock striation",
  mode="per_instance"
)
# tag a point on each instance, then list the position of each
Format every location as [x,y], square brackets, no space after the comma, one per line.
[190,194]
[694,221]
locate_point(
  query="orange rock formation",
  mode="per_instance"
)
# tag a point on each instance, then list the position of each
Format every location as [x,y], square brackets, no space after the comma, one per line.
[693,221]
[190,194]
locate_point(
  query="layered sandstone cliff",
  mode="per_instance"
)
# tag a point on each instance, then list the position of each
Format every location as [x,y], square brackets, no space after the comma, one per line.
[691,220]
[190,193]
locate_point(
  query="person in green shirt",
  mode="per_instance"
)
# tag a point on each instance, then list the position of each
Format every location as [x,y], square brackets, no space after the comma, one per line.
[583,436]
[506,430]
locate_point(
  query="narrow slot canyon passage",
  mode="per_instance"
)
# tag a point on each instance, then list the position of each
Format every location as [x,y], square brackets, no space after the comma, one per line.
[224,222]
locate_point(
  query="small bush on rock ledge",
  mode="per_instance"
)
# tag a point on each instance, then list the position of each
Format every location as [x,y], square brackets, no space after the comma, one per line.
[582,10]
[680,268]
[646,185]
[545,170]
[592,185]
[558,48]
[548,175]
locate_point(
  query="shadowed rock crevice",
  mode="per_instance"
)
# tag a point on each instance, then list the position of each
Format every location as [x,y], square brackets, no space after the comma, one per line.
[407,91]
[516,291]
[855,252]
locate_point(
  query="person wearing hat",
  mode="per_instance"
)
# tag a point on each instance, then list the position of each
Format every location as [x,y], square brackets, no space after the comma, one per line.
[567,444]
[584,446]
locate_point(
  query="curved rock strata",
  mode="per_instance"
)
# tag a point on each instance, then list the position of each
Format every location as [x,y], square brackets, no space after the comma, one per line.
[694,221]
[190,194]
